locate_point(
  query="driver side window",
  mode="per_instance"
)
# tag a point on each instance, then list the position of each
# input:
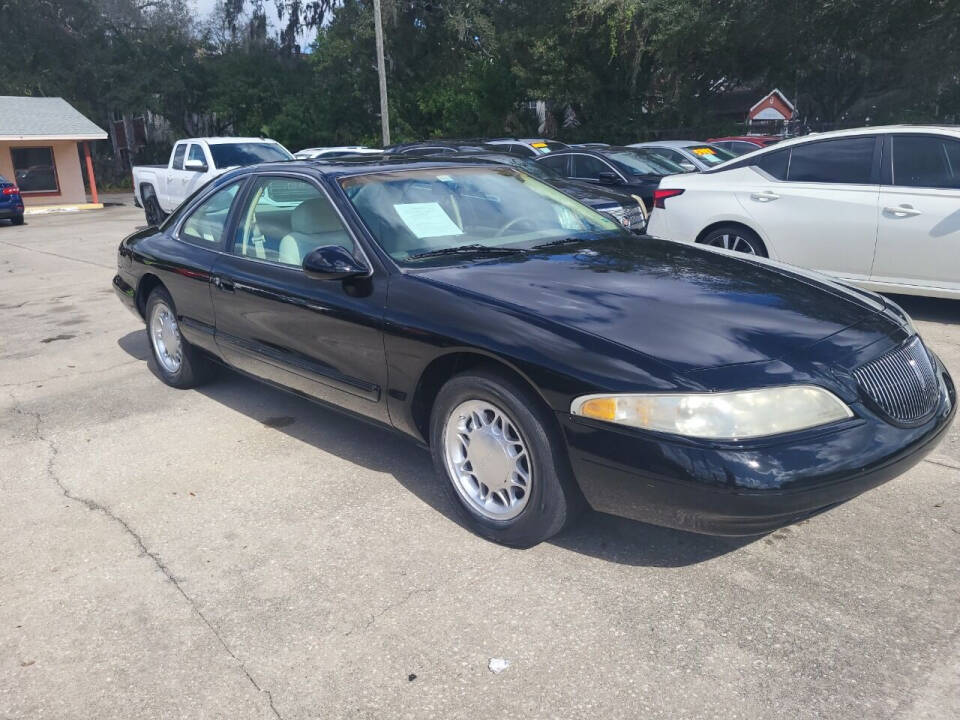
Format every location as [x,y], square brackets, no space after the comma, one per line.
[588,167]
[285,219]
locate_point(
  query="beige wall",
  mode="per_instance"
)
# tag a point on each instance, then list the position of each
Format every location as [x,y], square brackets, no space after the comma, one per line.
[67,160]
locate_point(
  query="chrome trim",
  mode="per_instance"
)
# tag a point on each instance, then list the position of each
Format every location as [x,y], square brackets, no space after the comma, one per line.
[902,384]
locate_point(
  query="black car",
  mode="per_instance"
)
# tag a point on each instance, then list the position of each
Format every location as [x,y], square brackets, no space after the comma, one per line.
[624,168]
[623,207]
[543,355]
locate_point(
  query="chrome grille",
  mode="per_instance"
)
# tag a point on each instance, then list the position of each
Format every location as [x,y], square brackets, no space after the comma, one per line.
[631,216]
[902,383]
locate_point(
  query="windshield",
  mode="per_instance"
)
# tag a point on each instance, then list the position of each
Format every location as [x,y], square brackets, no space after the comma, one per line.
[710,154]
[240,154]
[415,215]
[642,162]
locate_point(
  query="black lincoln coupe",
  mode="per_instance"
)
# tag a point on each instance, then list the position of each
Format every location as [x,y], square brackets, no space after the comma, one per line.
[547,357]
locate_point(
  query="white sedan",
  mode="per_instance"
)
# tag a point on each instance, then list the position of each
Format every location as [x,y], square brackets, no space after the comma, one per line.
[878,207]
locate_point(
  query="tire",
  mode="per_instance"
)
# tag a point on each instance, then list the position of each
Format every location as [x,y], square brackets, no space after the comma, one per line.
[737,238]
[550,498]
[17,220]
[151,208]
[172,358]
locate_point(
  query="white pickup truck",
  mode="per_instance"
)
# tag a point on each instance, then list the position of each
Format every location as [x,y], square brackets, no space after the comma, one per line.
[159,189]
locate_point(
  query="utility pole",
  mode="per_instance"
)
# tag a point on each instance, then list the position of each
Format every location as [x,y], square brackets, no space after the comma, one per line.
[382,72]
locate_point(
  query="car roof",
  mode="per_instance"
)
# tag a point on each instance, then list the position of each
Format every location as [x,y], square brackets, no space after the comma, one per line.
[224,140]
[357,165]
[670,143]
[953,130]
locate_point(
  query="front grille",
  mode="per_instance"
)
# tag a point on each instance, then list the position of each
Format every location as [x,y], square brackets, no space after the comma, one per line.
[631,216]
[902,383]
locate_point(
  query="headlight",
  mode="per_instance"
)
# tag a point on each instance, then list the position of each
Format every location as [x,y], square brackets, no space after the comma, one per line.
[721,415]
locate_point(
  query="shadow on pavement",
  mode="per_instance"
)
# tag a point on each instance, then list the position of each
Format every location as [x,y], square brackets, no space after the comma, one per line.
[929,309]
[382,450]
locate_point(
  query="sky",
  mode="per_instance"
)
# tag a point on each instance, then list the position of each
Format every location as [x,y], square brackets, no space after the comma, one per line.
[205,7]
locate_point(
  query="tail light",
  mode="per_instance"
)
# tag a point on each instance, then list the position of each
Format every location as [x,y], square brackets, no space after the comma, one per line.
[660,195]
[12,190]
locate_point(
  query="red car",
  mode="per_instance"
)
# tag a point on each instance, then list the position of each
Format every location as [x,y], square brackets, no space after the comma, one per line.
[742,144]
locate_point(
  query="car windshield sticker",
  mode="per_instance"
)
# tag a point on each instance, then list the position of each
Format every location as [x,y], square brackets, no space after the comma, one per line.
[703,151]
[427,220]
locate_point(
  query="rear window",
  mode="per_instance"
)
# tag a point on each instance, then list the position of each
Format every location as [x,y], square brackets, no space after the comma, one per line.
[639,163]
[774,164]
[241,154]
[710,154]
[846,160]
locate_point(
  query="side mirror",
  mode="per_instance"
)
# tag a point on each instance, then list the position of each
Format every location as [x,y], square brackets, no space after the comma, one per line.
[688,166]
[332,262]
[195,165]
[608,178]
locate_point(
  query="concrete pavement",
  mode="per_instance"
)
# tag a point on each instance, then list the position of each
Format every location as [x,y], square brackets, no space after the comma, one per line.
[236,552]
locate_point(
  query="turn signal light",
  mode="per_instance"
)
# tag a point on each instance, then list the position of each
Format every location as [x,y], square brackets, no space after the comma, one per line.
[660,195]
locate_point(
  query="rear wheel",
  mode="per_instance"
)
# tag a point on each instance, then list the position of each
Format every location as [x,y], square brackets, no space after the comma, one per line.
[736,238]
[175,361]
[17,219]
[502,460]
[151,207]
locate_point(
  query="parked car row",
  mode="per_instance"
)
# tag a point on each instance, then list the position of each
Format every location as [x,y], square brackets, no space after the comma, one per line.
[547,357]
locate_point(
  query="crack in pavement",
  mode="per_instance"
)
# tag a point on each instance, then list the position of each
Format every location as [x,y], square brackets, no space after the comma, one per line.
[54,452]
[940,463]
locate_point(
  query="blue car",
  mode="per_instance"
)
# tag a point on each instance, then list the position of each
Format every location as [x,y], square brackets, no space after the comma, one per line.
[11,204]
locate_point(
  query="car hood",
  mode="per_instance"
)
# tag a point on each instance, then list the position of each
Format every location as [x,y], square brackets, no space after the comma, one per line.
[684,306]
[592,195]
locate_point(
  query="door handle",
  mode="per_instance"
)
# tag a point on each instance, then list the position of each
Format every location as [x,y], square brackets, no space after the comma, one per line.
[223,284]
[764,196]
[902,211]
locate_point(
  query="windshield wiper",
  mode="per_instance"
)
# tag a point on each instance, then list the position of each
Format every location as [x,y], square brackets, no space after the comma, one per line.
[562,241]
[472,249]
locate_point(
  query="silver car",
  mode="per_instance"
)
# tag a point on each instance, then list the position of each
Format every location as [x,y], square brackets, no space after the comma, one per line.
[691,155]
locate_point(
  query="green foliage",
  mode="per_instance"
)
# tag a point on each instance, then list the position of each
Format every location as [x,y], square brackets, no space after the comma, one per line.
[469,68]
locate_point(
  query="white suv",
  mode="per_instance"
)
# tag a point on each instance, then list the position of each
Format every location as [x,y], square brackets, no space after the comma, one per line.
[878,207]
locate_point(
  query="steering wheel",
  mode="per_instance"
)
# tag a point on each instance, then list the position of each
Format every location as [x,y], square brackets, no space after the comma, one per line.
[511,223]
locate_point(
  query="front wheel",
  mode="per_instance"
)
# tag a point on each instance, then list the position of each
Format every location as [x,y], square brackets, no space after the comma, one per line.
[175,361]
[736,238]
[499,455]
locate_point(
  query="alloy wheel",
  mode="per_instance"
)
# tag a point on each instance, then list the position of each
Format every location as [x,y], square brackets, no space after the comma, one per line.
[165,336]
[735,242]
[487,460]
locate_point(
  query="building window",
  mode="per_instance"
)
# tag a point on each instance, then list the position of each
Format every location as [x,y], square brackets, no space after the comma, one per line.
[35,170]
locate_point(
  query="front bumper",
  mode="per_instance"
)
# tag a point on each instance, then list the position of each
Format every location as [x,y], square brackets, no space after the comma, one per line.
[744,488]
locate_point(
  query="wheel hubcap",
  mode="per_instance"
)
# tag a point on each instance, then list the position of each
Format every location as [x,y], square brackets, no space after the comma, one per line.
[737,243]
[487,460]
[165,335]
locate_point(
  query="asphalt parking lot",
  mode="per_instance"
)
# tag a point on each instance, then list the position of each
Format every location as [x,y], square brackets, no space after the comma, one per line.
[237,552]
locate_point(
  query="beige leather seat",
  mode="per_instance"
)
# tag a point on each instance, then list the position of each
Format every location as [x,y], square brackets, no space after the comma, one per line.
[314,223]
